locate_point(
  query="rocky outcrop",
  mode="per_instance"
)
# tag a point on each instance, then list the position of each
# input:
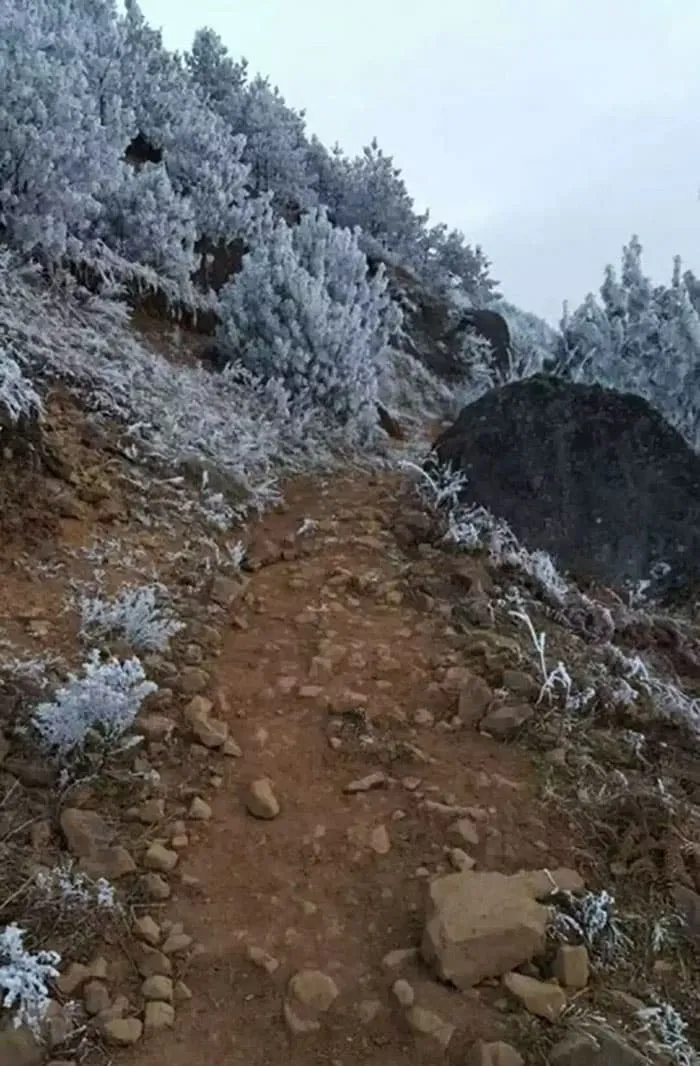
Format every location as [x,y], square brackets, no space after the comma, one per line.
[595,477]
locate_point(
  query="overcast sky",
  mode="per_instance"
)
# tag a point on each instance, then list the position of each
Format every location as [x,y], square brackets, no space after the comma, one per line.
[548,131]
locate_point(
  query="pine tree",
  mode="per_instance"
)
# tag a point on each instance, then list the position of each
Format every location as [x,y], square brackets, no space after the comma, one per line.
[304,310]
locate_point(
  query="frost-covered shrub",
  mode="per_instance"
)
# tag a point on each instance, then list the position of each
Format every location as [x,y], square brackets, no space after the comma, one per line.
[24,978]
[639,338]
[144,221]
[135,613]
[72,891]
[304,310]
[18,397]
[102,704]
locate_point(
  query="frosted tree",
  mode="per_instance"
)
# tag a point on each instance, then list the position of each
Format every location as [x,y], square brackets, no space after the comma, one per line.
[201,154]
[639,338]
[54,150]
[304,310]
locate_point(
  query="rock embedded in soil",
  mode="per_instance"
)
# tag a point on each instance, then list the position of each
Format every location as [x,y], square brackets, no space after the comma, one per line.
[96,997]
[158,987]
[260,800]
[541,998]
[146,929]
[19,1047]
[425,1022]
[263,959]
[493,1054]
[504,721]
[404,993]
[595,1046]
[160,859]
[482,924]
[572,966]
[90,839]
[475,699]
[123,1032]
[310,993]
[158,1015]
[199,811]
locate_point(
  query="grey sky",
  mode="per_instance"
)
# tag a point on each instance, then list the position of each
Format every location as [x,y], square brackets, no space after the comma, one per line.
[548,130]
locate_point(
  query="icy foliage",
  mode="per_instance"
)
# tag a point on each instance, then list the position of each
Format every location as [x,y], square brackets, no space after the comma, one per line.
[135,613]
[304,311]
[101,704]
[665,1030]
[591,919]
[24,978]
[18,397]
[71,891]
[641,339]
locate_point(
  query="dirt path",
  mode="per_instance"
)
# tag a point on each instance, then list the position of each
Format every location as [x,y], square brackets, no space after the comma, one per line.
[336,880]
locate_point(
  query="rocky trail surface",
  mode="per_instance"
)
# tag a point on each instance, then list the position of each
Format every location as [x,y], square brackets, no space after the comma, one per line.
[334,681]
[339,842]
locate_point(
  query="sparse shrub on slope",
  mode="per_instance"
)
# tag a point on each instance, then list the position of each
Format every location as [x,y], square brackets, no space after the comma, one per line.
[304,311]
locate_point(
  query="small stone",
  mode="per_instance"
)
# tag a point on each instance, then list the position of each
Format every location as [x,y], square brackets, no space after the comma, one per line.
[231,749]
[176,943]
[503,721]
[495,1054]
[260,800]
[424,717]
[427,1023]
[73,979]
[378,779]
[151,812]
[150,962]
[404,993]
[96,997]
[99,968]
[379,840]
[393,960]
[463,831]
[210,732]
[193,680]
[541,998]
[460,860]
[368,1009]
[309,994]
[20,1047]
[158,987]
[475,698]
[123,1032]
[158,1015]
[147,929]
[199,810]
[160,858]
[157,728]
[182,992]
[156,887]
[572,966]
[262,958]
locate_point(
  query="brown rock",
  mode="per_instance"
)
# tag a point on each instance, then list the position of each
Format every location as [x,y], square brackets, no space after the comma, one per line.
[150,961]
[503,721]
[463,831]
[263,959]
[193,680]
[199,811]
[158,988]
[96,996]
[260,800]
[147,929]
[73,979]
[377,779]
[572,966]
[427,1023]
[89,838]
[379,840]
[157,888]
[542,998]
[156,727]
[226,590]
[19,1047]
[123,1032]
[158,1015]
[310,993]
[495,1054]
[483,924]
[160,858]
[404,993]
[475,699]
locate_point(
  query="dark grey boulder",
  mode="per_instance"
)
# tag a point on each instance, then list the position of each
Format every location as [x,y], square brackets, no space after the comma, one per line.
[595,477]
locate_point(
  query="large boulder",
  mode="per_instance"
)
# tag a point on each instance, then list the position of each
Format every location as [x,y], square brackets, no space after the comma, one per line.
[595,477]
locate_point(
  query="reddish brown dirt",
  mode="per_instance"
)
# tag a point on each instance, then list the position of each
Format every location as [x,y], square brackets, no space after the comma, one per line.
[307,887]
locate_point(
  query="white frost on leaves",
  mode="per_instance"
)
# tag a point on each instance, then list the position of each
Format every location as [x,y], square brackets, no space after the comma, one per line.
[24,978]
[103,703]
[135,613]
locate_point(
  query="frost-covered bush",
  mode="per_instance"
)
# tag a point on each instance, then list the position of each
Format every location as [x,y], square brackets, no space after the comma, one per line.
[72,891]
[135,613]
[101,704]
[18,397]
[24,978]
[639,338]
[144,221]
[303,310]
